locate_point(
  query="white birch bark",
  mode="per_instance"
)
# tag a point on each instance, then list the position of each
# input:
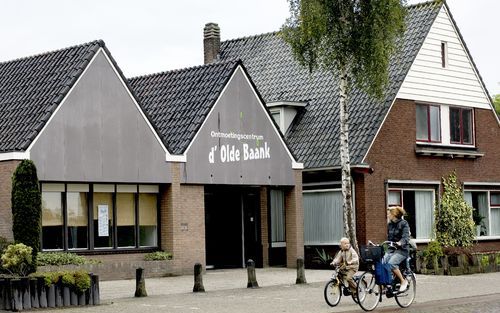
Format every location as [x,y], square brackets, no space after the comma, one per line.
[345,161]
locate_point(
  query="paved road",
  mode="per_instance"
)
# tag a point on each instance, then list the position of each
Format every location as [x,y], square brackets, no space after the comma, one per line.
[471,293]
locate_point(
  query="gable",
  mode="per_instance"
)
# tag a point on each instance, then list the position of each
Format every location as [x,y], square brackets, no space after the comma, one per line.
[238,143]
[456,84]
[99,134]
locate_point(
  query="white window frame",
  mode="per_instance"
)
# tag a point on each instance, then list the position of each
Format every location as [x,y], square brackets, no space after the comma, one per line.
[488,195]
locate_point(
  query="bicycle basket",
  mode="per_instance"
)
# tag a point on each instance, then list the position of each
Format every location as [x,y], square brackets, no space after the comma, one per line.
[371,254]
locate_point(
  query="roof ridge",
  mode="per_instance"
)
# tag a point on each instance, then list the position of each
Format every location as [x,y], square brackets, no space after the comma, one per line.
[99,42]
[253,36]
[189,68]
[424,3]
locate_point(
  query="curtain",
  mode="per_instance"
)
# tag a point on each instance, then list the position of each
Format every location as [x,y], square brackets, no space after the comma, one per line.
[495,222]
[423,214]
[482,202]
[277,216]
[323,217]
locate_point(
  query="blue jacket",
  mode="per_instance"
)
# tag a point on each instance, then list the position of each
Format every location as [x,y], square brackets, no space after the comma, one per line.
[399,230]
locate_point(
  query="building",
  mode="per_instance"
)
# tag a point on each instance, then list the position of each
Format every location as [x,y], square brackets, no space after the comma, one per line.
[192,170]
[436,117]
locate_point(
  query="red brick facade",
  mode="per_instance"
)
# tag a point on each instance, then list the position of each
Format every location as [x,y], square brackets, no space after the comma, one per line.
[294,215]
[7,168]
[392,157]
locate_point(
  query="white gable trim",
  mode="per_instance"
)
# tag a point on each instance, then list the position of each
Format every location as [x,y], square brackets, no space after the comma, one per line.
[168,156]
[14,156]
[295,164]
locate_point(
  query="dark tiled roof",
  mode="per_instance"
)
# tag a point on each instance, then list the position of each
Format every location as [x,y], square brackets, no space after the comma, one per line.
[313,137]
[177,102]
[31,89]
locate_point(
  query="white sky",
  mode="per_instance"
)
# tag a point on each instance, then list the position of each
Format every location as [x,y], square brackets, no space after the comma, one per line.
[148,36]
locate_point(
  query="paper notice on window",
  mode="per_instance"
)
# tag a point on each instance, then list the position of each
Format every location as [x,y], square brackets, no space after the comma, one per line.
[103,217]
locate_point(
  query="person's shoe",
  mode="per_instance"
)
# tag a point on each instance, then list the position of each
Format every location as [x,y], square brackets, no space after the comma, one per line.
[403,286]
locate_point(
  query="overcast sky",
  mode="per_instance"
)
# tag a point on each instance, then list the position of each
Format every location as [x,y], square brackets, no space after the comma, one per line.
[149,36]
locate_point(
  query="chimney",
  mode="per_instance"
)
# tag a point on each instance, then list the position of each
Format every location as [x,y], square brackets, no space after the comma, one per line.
[211,42]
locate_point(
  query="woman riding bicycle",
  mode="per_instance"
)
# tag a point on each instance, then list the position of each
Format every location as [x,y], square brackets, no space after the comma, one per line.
[398,231]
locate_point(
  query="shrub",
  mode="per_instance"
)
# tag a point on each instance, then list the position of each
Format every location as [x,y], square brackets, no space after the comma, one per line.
[454,224]
[4,243]
[18,259]
[62,258]
[432,250]
[26,207]
[158,256]
[79,280]
[82,281]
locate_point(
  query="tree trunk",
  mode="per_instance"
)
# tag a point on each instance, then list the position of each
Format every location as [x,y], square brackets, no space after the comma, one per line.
[345,161]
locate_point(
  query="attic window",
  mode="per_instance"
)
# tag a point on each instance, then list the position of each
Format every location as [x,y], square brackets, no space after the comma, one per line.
[444,54]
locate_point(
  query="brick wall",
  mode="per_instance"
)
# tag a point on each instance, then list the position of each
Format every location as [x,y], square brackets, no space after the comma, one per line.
[393,156]
[294,215]
[183,223]
[7,168]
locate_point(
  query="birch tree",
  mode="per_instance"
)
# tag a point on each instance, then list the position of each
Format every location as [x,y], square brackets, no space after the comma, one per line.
[355,40]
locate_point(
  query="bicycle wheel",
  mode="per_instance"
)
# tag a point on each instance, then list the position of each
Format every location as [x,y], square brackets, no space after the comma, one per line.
[405,298]
[332,293]
[368,292]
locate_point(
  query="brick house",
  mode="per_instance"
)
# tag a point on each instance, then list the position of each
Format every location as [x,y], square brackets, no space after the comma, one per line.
[190,168]
[436,117]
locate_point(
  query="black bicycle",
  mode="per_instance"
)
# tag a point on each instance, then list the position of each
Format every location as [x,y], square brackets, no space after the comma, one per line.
[336,287]
[370,289]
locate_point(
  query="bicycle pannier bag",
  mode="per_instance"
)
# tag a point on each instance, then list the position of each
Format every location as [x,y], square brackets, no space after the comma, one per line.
[383,275]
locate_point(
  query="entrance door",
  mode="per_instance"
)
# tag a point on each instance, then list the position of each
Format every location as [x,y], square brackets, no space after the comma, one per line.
[232,221]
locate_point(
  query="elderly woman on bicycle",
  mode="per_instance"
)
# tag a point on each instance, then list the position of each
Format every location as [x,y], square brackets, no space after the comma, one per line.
[398,231]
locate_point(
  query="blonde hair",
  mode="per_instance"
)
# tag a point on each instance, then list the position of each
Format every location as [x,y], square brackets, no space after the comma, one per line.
[397,211]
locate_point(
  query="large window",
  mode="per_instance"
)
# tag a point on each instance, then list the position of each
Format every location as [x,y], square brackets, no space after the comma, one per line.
[277,217]
[419,207]
[323,217]
[428,123]
[487,204]
[121,216]
[461,126]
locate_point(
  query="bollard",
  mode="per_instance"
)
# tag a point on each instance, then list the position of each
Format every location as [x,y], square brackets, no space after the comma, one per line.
[140,284]
[252,279]
[301,274]
[198,278]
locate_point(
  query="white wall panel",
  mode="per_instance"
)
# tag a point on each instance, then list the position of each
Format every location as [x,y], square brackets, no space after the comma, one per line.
[457,84]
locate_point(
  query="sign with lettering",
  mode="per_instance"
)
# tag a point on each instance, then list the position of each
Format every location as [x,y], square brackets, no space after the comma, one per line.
[240,151]
[102,221]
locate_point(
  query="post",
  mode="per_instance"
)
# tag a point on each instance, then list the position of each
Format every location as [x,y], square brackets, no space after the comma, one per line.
[198,278]
[140,284]
[252,279]
[301,275]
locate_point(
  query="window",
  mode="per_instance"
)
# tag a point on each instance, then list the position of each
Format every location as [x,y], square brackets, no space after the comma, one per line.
[444,54]
[52,217]
[277,216]
[487,203]
[495,213]
[323,217]
[419,207]
[428,123]
[121,216]
[461,126]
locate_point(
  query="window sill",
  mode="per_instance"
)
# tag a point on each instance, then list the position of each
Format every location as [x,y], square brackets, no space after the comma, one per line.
[448,152]
[480,238]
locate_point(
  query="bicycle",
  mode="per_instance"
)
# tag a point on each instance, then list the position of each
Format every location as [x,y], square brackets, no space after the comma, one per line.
[335,288]
[370,290]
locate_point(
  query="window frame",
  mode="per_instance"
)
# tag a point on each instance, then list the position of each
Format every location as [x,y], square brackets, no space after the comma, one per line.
[490,206]
[472,137]
[429,128]
[90,217]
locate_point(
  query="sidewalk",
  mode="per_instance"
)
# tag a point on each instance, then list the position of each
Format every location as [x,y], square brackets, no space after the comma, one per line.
[213,280]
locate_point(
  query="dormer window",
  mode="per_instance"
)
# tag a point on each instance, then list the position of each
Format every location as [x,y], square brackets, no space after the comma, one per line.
[283,112]
[276,114]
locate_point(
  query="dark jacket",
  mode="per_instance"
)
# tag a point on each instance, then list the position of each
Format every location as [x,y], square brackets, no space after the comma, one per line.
[399,230]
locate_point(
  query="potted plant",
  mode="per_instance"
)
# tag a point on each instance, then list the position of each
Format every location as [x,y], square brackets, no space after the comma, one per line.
[478,221]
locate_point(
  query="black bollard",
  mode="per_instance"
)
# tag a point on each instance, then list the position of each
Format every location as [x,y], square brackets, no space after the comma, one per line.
[252,278]
[140,284]
[301,274]
[96,298]
[198,278]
